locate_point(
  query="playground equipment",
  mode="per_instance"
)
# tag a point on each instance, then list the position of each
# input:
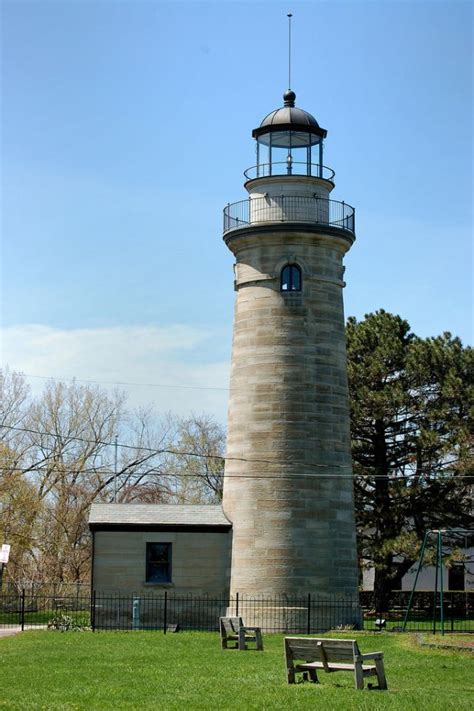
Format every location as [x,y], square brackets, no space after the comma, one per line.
[451,533]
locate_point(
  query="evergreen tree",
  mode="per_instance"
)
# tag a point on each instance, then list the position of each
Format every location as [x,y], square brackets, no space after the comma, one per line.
[411,441]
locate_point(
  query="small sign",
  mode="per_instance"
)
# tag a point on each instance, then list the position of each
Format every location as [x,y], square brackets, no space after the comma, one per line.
[4,553]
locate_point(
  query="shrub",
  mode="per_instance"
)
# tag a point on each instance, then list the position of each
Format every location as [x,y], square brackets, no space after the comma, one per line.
[65,623]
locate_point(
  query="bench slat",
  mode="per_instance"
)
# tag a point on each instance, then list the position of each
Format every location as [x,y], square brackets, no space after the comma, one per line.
[302,652]
[333,666]
[334,649]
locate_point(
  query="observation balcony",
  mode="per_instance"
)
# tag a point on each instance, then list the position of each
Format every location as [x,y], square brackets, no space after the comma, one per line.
[289,208]
[287,167]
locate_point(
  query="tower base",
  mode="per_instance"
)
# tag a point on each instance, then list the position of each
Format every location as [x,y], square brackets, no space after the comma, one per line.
[288,614]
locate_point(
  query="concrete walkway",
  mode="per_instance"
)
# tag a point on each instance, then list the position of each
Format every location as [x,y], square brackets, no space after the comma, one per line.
[9,631]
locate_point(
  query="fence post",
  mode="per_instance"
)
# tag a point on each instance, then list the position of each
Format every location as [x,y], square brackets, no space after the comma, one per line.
[165,612]
[466,614]
[22,619]
[236,604]
[93,611]
[308,626]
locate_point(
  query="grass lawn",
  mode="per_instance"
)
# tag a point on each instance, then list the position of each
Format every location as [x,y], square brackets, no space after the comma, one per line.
[148,670]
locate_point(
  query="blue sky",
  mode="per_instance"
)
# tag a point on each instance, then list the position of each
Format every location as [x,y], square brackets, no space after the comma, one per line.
[126,127]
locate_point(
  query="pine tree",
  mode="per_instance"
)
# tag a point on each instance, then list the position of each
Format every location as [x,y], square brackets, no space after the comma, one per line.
[411,440]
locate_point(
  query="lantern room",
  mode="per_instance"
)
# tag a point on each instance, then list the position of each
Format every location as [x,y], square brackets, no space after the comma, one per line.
[289,142]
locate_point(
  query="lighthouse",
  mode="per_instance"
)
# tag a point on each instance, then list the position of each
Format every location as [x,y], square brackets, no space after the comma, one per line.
[288,488]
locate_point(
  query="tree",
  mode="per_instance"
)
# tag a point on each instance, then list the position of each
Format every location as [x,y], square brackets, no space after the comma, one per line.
[19,509]
[201,442]
[412,452]
[58,455]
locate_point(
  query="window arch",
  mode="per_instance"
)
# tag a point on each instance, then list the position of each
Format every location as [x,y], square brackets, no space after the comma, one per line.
[290,278]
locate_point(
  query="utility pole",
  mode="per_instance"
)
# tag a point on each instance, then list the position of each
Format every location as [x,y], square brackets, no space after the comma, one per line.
[115,468]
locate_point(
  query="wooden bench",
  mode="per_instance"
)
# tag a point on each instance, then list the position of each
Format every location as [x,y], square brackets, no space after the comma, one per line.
[232,629]
[60,605]
[306,655]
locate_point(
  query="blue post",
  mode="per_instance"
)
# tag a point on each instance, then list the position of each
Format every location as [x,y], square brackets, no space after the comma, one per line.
[136,613]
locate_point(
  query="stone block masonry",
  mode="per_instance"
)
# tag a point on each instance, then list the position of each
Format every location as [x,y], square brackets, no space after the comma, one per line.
[291,502]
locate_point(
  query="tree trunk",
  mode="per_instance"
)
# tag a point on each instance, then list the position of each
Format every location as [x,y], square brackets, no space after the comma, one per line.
[382,589]
[383,580]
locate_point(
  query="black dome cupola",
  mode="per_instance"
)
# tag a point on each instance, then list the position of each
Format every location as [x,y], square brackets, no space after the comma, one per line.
[278,124]
[289,134]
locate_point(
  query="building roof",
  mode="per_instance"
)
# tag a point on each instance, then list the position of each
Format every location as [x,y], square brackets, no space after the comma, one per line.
[289,118]
[157,515]
[289,115]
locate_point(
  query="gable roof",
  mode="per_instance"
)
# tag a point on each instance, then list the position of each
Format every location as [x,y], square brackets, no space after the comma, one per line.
[144,515]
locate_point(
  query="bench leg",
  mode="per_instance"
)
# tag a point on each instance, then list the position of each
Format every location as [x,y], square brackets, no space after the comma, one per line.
[381,674]
[291,676]
[358,676]
[259,640]
[313,676]
[242,646]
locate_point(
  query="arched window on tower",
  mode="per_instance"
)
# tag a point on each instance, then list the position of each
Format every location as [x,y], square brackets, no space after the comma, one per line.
[290,278]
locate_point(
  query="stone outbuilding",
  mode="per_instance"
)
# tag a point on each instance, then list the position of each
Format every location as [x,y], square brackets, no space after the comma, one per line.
[139,548]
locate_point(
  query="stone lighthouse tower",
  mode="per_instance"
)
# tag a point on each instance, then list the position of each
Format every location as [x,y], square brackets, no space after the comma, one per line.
[288,476]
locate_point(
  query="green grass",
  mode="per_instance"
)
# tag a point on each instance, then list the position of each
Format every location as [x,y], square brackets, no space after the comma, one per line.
[148,670]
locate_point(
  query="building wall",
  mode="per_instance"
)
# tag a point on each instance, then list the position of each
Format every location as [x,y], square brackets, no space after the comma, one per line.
[200,562]
[293,518]
[427,577]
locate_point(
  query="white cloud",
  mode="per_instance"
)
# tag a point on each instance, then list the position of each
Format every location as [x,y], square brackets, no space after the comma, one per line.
[176,356]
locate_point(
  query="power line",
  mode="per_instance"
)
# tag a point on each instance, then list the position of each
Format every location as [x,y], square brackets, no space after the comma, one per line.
[121,382]
[138,474]
[166,450]
[219,457]
[122,474]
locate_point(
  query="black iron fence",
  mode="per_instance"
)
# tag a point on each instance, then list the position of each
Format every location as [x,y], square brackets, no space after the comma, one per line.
[307,614]
[288,614]
[29,608]
[289,208]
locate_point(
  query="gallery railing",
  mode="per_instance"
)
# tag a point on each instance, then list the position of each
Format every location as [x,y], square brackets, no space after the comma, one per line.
[315,170]
[289,208]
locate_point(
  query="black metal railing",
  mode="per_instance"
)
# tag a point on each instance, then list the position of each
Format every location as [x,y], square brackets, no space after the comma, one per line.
[315,170]
[294,614]
[289,208]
